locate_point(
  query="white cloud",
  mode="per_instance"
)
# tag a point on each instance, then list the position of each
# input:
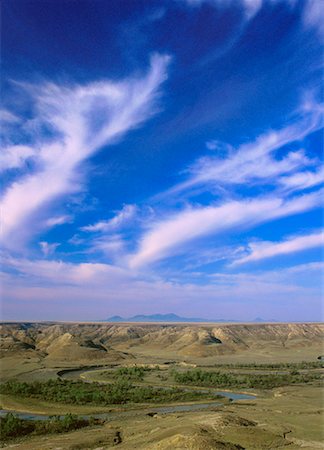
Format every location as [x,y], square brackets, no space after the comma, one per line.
[212,145]
[85,118]
[58,220]
[219,146]
[313,11]
[112,246]
[98,275]
[8,117]
[267,282]
[255,162]
[302,180]
[76,240]
[305,268]
[15,156]
[123,216]
[250,7]
[314,16]
[167,236]
[62,273]
[48,249]
[263,250]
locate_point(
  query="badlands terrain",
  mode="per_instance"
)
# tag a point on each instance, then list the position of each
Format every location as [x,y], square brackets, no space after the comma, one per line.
[169,374]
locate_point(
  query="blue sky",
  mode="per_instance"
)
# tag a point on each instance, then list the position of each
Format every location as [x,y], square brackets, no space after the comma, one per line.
[162,156]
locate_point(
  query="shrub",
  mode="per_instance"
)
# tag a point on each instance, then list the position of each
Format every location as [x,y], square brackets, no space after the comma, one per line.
[12,427]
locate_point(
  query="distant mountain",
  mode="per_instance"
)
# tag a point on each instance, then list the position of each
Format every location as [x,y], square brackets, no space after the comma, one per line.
[115,319]
[155,318]
[259,319]
[175,318]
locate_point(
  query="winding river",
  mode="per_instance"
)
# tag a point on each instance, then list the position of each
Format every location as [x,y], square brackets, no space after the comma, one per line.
[75,373]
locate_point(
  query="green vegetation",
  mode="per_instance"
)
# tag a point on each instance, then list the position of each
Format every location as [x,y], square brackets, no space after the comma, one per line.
[80,393]
[294,366]
[12,427]
[199,377]
[131,373]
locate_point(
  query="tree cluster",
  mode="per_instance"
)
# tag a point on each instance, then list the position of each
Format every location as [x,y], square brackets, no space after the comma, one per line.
[218,379]
[12,426]
[303,365]
[80,393]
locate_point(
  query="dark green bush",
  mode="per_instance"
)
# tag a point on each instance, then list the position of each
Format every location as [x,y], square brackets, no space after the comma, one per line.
[295,366]
[12,427]
[218,379]
[134,373]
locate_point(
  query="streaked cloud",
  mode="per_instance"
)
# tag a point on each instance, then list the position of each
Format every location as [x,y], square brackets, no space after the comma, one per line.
[47,248]
[314,16]
[262,250]
[165,237]
[250,7]
[302,180]
[219,146]
[251,164]
[58,220]
[15,156]
[121,217]
[84,118]
[256,162]
[7,116]
[62,273]
[113,246]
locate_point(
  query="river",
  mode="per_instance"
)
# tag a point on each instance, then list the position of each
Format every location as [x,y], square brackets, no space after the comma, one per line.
[75,373]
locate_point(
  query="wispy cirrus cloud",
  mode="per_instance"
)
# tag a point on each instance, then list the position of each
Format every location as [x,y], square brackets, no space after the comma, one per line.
[263,250]
[257,162]
[123,216]
[7,116]
[302,180]
[313,16]
[164,238]
[58,220]
[60,272]
[250,7]
[15,156]
[82,119]
[107,235]
[47,248]
[111,245]
[290,273]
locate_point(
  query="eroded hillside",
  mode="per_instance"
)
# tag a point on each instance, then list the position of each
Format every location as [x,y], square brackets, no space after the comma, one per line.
[106,343]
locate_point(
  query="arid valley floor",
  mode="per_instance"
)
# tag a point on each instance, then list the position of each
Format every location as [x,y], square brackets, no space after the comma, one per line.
[168,374]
